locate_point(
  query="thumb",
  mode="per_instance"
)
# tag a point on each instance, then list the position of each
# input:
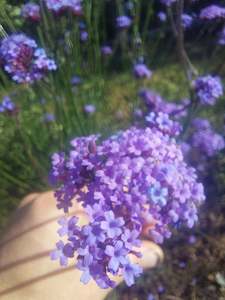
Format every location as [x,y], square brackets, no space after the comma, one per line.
[152,255]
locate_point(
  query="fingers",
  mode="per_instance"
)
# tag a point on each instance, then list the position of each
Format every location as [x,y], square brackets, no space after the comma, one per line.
[152,255]
[28,199]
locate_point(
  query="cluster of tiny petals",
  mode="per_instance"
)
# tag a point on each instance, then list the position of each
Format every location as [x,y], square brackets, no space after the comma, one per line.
[163,123]
[187,20]
[123,22]
[31,11]
[142,71]
[208,89]
[7,105]
[60,6]
[212,12]
[154,102]
[23,60]
[205,140]
[134,178]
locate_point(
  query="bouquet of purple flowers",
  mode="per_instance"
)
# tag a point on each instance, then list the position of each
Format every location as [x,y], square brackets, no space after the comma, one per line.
[131,182]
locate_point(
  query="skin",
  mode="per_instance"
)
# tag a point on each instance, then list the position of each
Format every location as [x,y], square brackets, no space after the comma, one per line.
[26,271]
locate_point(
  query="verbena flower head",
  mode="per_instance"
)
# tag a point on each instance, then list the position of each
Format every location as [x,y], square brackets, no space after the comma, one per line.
[23,60]
[142,71]
[187,20]
[7,105]
[162,16]
[212,12]
[205,140]
[60,6]
[163,123]
[133,179]
[106,50]
[155,103]
[208,89]
[123,22]
[201,124]
[31,11]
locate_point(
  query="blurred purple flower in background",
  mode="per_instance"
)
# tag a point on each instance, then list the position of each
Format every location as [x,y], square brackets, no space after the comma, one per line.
[23,60]
[89,109]
[201,124]
[212,12]
[123,22]
[155,103]
[142,71]
[208,89]
[59,6]
[151,297]
[162,16]
[168,2]
[207,141]
[106,50]
[187,20]
[83,36]
[138,113]
[31,11]
[7,105]
[76,80]
[48,117]
[192,239]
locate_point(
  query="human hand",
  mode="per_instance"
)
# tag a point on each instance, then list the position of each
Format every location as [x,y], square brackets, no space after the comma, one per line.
[26,271]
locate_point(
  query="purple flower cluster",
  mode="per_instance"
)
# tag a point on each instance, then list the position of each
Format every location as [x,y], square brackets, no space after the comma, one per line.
[187,20]
[135,179]
[205,140]
[162,16]
[156,103]
[7,105]
[123,22]
[142,71]
[60,6]
[106,50]
[212,12]
[31,11]
[23,60]
[208,89]
[163,123]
